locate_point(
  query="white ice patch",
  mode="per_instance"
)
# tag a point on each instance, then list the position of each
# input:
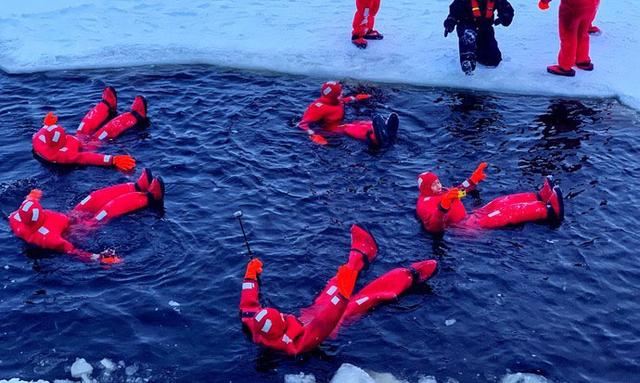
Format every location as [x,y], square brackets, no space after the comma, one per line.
[299,378]
[39,35]
[450,322]
[175,306]
[524,378]
[81,369]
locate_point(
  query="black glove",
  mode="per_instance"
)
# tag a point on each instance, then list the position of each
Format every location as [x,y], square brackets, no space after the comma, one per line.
[449,25]
[506,21]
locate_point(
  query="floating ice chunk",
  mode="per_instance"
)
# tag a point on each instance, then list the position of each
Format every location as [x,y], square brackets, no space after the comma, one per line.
[80,368]
[16,380]
[131,370]
[299,378]
[520,377]
[108,365]
[450,322]
[175,305]
[428,379]
[385,377]
[348,373]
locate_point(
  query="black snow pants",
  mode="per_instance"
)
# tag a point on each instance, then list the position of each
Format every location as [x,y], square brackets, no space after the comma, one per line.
[478,44]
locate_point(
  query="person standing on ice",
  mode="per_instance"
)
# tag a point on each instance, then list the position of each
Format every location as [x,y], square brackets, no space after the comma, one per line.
[328,112]
[363,22]
[575,19]
[594,30]
[335,305]
[474,20]
[440,208]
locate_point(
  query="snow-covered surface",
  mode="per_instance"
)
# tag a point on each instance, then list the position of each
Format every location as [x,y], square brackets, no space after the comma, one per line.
[311,37]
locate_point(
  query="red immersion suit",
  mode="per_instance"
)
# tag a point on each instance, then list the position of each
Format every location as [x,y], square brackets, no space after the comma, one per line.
[294,335]
[47,229]
[575,19]
[328,111]
[439,209]
[363,23]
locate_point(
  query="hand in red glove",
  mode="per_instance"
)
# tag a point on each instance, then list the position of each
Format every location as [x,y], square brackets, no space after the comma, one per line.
[478,174]
[362,96]
[124,162]
[346,280]
[254,268]
[449,197]
[50,119]
[543,4]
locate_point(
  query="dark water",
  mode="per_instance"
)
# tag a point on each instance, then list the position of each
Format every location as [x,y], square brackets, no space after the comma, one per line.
[563,303]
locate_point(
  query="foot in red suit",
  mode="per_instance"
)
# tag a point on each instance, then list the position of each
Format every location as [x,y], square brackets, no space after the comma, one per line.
[438,208]
[100,114]
[327,112]
[47,229]
[363,23]
[294,335]
[576,17]
[52,144]
[136,117]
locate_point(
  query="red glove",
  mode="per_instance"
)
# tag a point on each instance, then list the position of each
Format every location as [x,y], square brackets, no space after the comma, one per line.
[449,197]
[50,119]
[543,4]
[254,268]
[124,162]
[478,174]
[362,96]
[346,280]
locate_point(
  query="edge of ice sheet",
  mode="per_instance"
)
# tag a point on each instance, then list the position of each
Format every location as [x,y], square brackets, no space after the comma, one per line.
[310,38]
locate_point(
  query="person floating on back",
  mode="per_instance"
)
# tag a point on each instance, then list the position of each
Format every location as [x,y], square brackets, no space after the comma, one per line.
[440,208]
[47,229]
[474,20]
[363,22]
[334,306]
[575,18]
[53,144]
[328,112]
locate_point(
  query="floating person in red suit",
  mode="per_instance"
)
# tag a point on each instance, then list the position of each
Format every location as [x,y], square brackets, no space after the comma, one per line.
[52,144]
[328,112]
[575,19]
[363,21]
[48,229]
[335,304]
[440,208]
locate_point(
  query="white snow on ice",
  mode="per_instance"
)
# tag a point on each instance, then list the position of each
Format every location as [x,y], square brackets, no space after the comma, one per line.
[312,37]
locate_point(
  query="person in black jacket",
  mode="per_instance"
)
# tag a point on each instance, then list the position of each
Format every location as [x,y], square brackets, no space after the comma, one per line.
[475,20]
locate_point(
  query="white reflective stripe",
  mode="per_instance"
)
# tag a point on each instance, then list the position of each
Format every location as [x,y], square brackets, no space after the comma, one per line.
[261,315]
[103,135]
[81,125]
[64,149]
[331,82]
[286,339]
[326,90]
[85,200]
[95,257]
[318,104]
[426,199]
[27,206]
[362,300]
[35,214]
[335,300]
[42,138]
[101,215]
[56,137]
[419,181]
[51,127]
[107,158]
[331,290]
[267,326]
[247,286]
[17,217]
[494,213]
[466,184]
[365,20]
[43,230]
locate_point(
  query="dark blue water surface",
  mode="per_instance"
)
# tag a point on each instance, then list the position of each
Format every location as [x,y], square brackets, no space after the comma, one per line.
[563,303]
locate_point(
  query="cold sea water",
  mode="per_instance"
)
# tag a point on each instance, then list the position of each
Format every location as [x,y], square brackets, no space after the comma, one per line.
[559,302]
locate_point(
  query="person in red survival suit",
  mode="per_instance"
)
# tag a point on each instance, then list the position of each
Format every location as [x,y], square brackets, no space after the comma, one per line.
[272,329]
[53,144]
[439,208]
[576,17]
[46,228]
[328,112]
[363,21]
[99,123]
